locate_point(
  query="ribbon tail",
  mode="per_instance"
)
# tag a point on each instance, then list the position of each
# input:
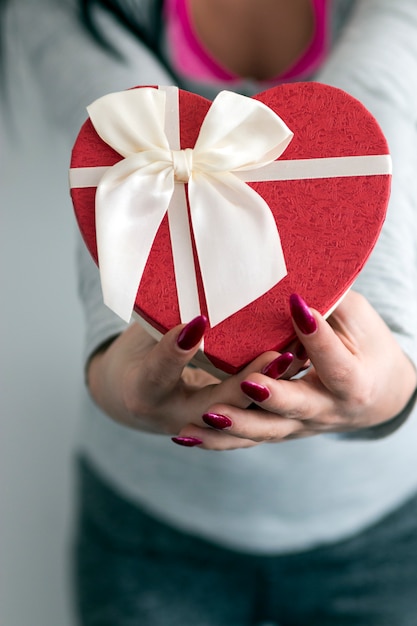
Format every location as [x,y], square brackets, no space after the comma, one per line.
[130,206]
[237,241]
[182,253]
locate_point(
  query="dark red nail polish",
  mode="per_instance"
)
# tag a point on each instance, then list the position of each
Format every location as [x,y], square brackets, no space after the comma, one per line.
[300,352]
[278,366]
[215,420]
[188,442]
[256,392]
[192,334]
[302,315]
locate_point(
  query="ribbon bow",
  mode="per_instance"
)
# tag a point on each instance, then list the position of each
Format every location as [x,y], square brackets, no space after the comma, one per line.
[236,238]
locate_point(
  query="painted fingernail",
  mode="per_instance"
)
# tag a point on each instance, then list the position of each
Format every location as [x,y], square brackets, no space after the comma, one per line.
[278,366]
[302,315]
[216,420]
[300,352]
[188,442]
[192,334]
[256,392]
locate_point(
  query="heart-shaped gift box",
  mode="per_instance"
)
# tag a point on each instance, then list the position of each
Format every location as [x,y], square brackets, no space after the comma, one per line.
[327,192]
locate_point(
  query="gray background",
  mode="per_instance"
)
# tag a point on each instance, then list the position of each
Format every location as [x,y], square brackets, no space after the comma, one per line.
[40,374]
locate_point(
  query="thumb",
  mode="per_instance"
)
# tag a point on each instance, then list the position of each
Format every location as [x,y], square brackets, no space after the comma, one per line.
[333,361]
[168,358]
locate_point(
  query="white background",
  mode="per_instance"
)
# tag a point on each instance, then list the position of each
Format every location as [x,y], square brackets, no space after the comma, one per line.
[40,376]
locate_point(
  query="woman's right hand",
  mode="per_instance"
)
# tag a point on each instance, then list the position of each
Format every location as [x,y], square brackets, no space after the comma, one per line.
[145,384]
[138,381]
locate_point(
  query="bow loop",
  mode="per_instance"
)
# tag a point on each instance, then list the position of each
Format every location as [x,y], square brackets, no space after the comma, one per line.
[253,136]
[118,120]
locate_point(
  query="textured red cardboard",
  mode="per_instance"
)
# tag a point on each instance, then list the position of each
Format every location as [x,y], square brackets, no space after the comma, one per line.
[328,226]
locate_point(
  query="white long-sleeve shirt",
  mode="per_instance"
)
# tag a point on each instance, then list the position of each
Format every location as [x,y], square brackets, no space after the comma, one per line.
[278,497]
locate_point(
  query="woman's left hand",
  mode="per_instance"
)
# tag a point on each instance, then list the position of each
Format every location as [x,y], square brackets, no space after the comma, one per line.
[359,377]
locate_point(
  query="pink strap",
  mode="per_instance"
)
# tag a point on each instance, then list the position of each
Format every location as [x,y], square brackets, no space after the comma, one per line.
[190,58]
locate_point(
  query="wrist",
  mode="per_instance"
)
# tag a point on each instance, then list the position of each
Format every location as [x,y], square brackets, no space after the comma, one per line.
[94,375]
[384,429]
[407,385]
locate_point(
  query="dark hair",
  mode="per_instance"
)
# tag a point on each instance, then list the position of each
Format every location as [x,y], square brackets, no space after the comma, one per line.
[150,35]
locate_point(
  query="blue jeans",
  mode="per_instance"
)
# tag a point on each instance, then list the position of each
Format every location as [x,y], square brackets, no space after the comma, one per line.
[132,570]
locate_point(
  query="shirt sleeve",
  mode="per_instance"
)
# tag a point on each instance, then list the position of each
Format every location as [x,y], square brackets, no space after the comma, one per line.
[375,60]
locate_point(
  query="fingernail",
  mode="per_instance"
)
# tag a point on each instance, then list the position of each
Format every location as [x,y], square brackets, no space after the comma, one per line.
[278,366]
[302,315]
[300,352]
[216,420]
[256,392]
[188,442]
[192,334]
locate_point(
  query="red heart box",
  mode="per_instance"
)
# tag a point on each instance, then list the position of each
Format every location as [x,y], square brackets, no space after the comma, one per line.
[328,226]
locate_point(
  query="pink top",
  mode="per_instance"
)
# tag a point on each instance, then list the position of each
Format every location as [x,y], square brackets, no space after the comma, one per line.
[191,59]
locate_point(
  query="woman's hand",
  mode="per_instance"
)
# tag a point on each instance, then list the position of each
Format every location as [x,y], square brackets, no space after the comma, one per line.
[146,385]
[359,378]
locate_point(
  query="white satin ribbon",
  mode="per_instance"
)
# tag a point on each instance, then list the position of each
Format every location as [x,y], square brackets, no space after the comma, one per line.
[297,169]
[236,238]
[237,242]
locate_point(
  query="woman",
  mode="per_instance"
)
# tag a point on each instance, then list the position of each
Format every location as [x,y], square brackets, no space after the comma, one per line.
[321,529]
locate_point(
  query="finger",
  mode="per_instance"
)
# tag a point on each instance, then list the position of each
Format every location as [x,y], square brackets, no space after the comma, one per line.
[280,367]
[207,439]
[210,440]
[252,425]
[335,364]
[166,361]
[301,399]
[300,362]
